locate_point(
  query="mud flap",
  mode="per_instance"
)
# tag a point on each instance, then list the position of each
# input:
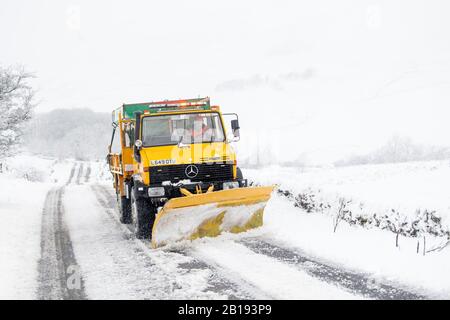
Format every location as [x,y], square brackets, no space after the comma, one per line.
[209,214]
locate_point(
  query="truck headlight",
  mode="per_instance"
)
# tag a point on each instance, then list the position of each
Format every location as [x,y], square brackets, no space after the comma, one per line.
[230,185]
[156,192]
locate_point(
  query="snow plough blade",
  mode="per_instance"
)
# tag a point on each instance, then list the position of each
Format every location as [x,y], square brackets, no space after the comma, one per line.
[209,214]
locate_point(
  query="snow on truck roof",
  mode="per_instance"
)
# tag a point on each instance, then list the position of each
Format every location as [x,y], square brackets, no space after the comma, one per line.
[128,110]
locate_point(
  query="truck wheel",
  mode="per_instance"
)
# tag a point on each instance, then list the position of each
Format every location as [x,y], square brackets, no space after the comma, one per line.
[143,216]
[125,210]
[239,174]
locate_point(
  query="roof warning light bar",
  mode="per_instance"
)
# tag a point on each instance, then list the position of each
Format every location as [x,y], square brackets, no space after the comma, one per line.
[163,106]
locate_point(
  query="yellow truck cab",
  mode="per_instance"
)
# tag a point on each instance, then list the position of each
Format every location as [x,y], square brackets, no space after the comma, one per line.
[171,149]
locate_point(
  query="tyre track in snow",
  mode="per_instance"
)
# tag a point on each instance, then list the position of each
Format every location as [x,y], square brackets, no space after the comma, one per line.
[87,176]
[358,283]
[59,277]
[222,285]
[80,173]
[72,174]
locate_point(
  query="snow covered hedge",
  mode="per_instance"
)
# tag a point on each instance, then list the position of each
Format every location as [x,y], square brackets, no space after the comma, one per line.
[423,222]
[419,224]
[16,168]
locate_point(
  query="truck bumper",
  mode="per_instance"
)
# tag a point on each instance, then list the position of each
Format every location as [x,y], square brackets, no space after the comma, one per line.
[173,191]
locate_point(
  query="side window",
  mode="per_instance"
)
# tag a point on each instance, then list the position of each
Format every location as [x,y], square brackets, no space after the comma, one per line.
[115,147]
[217,128]
[129,135]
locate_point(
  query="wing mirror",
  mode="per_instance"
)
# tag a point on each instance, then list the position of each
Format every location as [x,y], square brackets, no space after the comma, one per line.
[235,135]
[137,135]
[235,128]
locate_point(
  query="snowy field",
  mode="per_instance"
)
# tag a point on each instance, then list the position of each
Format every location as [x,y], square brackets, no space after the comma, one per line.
[405,187]
[297,254]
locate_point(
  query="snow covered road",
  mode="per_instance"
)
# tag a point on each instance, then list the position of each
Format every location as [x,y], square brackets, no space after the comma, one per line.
[86,253]
[359,283]
[234,269]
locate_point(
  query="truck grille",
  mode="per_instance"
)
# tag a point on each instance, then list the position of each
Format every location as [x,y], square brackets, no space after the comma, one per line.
[206,173]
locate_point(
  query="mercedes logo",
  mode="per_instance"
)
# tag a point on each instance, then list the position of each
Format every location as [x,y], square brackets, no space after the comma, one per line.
[191,171]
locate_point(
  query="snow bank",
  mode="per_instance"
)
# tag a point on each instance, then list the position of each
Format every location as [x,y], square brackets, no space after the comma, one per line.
[37,168]
[392,190]
[21,204]
[369,251]
[409,193]
[24,183]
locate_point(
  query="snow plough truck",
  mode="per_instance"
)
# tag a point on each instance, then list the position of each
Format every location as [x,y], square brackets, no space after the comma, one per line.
[176,175]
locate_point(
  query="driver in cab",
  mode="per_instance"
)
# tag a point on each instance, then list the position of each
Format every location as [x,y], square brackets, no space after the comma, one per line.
[199,131]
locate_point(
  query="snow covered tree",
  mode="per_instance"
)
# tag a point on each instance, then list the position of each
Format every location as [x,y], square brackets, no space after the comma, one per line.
[16,105]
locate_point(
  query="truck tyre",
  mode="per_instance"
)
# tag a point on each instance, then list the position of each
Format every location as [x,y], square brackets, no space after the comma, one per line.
[143,216]
[125,209]
[239,174]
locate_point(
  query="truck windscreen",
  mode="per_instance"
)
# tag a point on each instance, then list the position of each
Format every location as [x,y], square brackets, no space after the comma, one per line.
[186,128]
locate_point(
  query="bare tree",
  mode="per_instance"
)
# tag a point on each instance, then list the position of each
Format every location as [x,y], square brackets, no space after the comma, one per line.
[16,105]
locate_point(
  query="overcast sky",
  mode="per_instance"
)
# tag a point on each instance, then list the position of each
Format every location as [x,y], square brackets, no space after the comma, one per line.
[329,77]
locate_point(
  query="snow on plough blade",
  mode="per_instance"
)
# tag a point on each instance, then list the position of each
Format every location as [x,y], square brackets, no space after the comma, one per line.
[210,214]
